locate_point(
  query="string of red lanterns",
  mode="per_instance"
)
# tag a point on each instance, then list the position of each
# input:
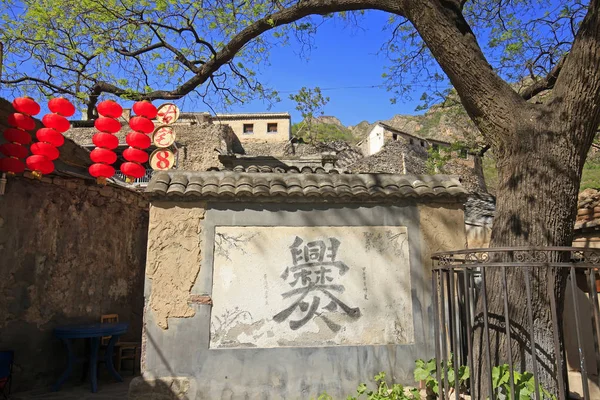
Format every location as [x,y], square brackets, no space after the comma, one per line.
[17,137]
[138,140]
[105,141]
[45,151]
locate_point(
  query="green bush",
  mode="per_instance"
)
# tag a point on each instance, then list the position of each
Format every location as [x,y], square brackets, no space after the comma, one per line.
[426,371]
[382,392]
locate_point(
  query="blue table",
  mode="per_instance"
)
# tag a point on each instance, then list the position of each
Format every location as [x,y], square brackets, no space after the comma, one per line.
[94,332]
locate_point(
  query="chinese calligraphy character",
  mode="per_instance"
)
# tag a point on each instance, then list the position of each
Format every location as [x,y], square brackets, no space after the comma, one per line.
[313,273]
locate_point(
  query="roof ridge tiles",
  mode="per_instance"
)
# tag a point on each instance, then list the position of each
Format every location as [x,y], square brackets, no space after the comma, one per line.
[216,184]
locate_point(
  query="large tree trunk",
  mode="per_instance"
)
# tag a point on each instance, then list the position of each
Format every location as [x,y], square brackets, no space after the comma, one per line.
[539,178]
[540,152]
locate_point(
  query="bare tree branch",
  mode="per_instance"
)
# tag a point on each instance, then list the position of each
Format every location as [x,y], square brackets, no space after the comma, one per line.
[545,83]
[45,83]
[228,52]
[140,51]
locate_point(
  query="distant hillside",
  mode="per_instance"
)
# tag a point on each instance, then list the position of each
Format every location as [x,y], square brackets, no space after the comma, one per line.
[447,123]
[323,129]
[329,119]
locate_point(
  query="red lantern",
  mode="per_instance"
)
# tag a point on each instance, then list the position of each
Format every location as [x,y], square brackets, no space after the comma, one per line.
[138,140]
[101,172]
[40,165]
[61,106]
[45,149]
[101,155]
[14,150]
[21,121]
[141,124]
[108,125]
[109,108]
[145,109]
[131,169]
[26,105]
[135,155]
[17,136]
[50,137]
[105,141]
[57,122]
[12,165]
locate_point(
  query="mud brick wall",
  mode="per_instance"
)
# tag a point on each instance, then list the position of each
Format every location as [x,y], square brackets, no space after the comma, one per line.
[70,251]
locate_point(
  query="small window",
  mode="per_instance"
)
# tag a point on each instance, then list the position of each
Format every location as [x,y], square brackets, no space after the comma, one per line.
[422,143]
[248,129]
[463,153]
[394,137]
[272,127]
[412,141]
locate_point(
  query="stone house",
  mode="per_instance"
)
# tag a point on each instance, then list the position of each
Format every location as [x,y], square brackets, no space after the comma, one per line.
[280,282]
[411,153]
[258,127]
[382,134]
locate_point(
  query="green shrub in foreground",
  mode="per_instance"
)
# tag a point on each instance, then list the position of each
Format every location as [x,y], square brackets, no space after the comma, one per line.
[426,372]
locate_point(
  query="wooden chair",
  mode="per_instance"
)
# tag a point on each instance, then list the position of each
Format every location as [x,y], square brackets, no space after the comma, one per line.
[122,350]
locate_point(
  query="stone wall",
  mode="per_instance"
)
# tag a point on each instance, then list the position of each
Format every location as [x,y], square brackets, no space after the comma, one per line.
[199,146]
[185,254]
[70,252]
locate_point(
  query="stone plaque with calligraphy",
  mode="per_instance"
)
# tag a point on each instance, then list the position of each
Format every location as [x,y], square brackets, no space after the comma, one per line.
[311,286]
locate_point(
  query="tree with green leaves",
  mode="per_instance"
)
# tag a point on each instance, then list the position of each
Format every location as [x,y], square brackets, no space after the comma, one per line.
[310,103]
[499,56]
[323,132]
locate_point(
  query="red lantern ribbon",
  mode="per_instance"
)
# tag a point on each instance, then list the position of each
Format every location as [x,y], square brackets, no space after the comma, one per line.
[105,141]
[50,138]
[138,140]
[17,137]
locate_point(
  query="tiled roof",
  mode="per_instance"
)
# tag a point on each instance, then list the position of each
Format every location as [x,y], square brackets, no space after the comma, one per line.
[253,115]
[316,186]
[285,169]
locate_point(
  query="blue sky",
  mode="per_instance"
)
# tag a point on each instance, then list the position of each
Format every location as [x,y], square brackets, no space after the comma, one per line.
[343,58]
[345,62]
